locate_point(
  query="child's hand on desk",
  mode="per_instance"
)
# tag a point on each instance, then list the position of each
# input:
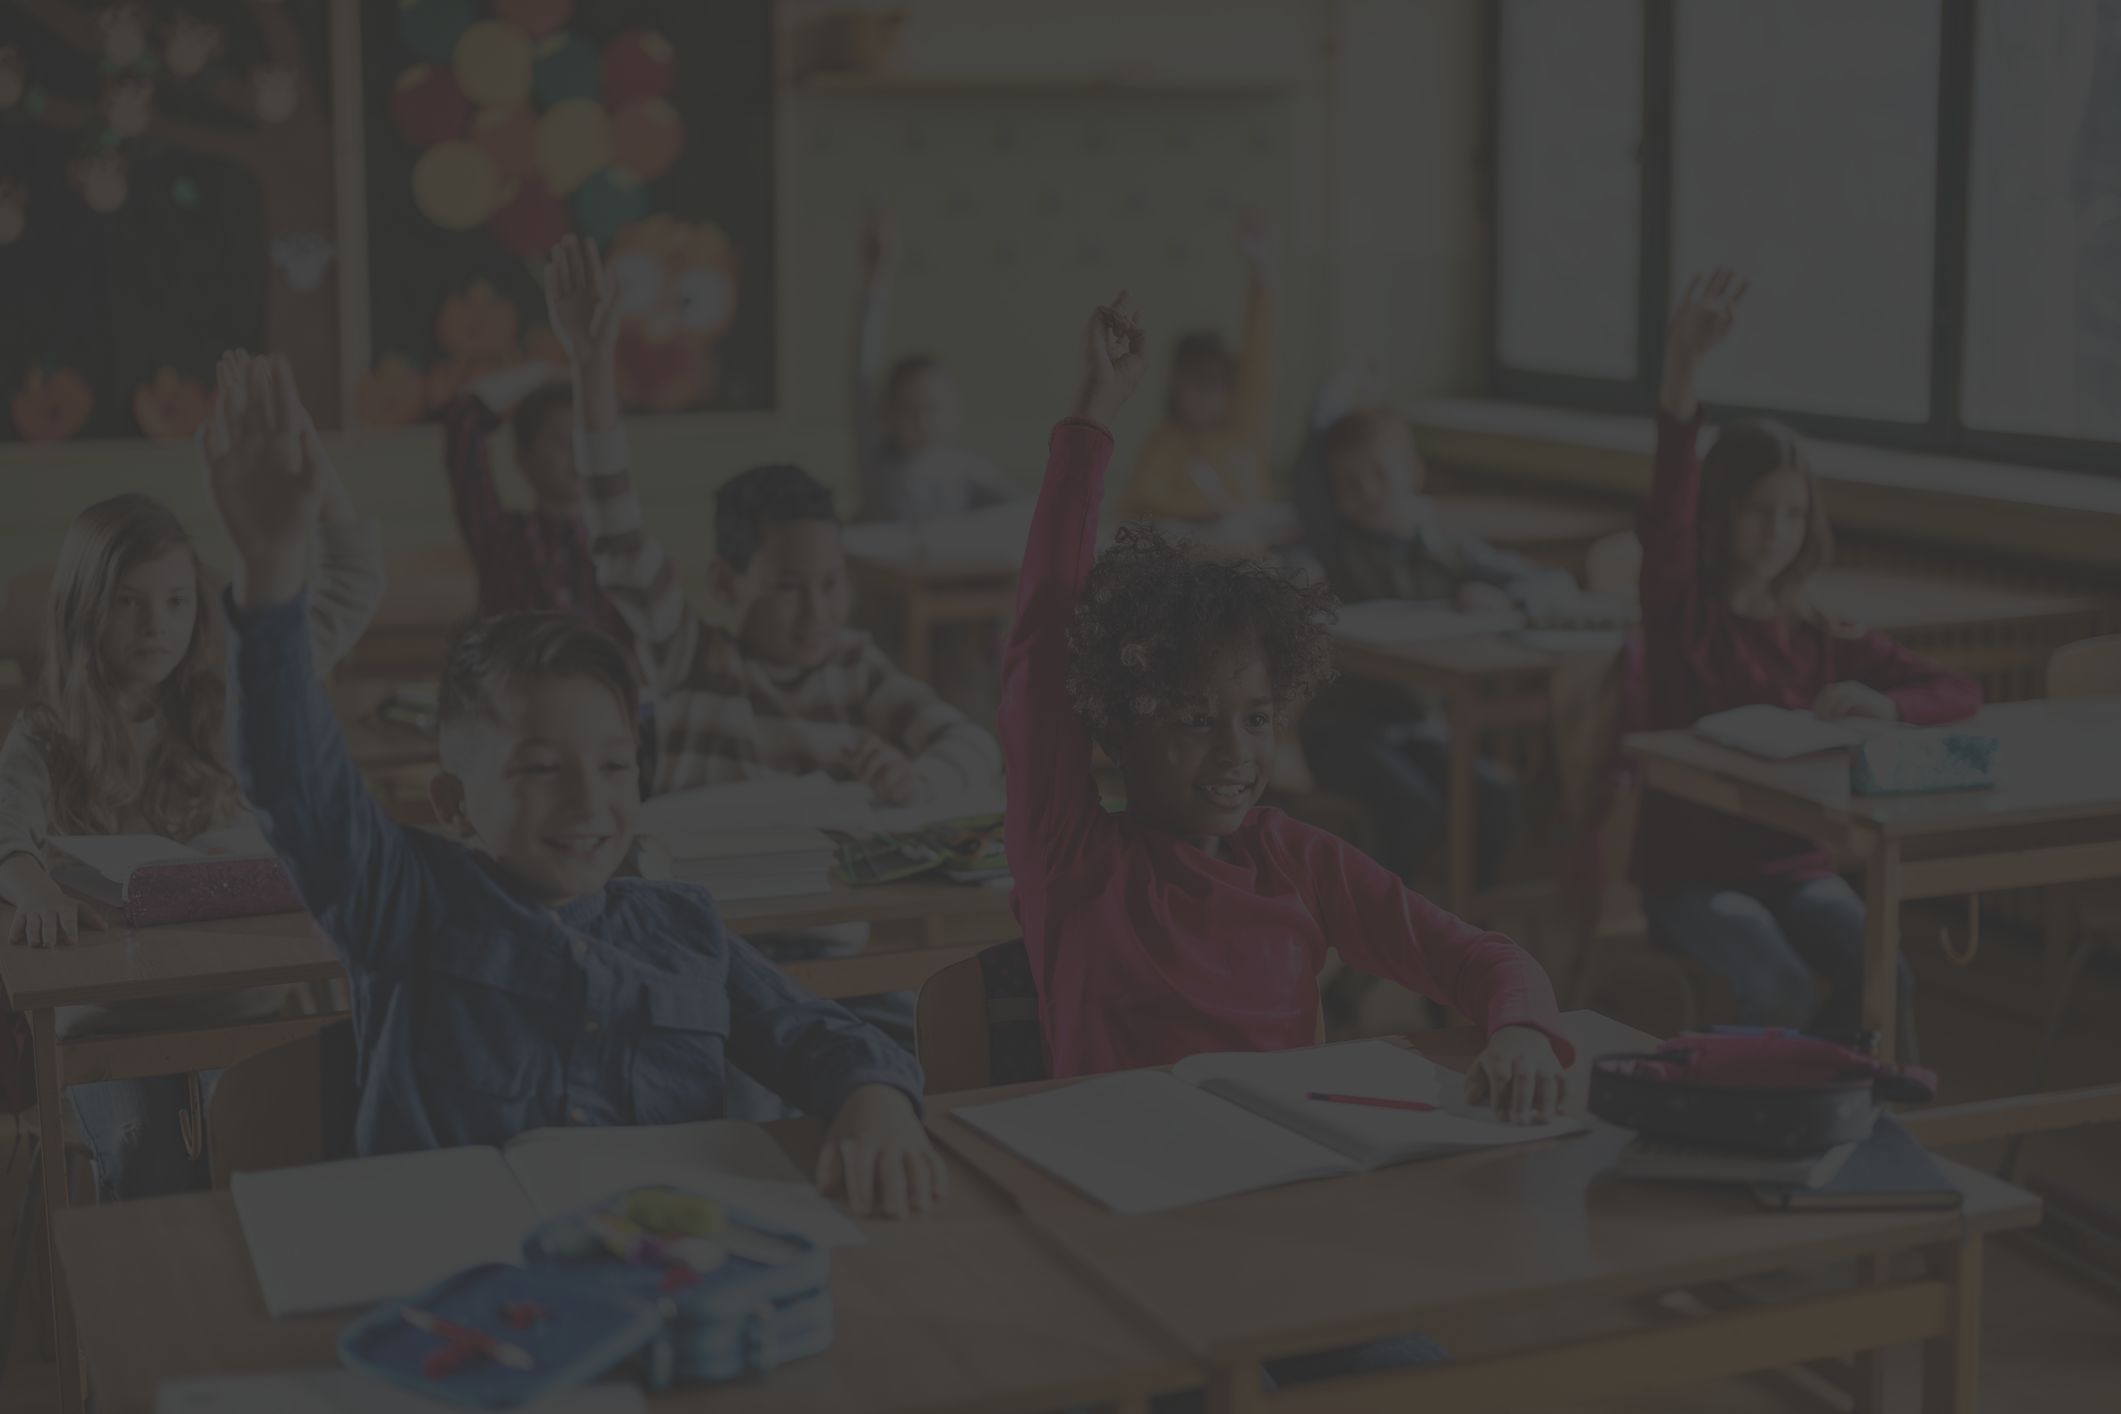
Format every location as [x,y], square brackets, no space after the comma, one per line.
[1853,699]
[1520,1075]
[46,916]
[878,1154]
[885,770]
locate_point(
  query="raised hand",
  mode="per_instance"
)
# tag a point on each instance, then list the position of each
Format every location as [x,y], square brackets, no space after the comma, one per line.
[1256,243]
[581,300]
[266,469]
[1114,360]
[1702,319]
[879,246]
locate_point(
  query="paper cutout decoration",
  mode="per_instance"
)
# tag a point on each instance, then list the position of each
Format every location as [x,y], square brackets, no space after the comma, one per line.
[169,407]
[303,258]
[431,28]
[456,185]
[492,63]
[52,407]
[428,107]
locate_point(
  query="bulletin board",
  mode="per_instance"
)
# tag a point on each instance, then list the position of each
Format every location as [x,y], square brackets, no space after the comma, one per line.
[1019,208]
[166,192]
[495,127]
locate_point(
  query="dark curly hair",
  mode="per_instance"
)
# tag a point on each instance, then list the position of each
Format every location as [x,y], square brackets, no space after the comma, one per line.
[1157,612]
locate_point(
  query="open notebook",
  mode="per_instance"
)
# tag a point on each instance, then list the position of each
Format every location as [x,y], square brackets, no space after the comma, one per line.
[1780,734]
[330,1237]
[1214,1125]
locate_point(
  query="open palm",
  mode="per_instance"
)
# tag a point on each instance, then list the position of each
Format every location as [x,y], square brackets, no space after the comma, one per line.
[582,299]
[262,458]
[1705,314]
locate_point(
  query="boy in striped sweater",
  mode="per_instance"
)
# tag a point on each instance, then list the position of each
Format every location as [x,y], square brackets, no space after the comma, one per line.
[790,689]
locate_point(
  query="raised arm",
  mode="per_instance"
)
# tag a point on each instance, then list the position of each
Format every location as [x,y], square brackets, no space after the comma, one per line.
[879,501]
[636,575]
[1255,356]
[350,574]
[1045,748]
[1701,321]
[358,872]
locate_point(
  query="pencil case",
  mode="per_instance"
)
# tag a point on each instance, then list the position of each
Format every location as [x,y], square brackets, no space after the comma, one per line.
[1897,763]
[1766,1090]
[738,1297]
[189,892]
[494,1337]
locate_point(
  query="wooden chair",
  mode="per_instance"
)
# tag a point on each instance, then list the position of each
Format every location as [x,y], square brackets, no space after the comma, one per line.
[1613,565]
[976,1023]
[2084,921]
[289,1106]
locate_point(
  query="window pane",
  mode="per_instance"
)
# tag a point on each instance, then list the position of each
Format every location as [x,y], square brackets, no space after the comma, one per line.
[2044,237]
[1804,153]
[1569,188]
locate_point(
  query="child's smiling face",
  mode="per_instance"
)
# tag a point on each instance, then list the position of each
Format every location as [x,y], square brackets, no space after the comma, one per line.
[1769,530]
[1196,769]
[1377,481]
[549,787]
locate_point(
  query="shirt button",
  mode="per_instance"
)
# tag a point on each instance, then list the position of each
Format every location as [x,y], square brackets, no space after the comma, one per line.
[577,1117]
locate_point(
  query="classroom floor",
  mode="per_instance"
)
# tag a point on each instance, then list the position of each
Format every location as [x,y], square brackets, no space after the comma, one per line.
[2048,1335]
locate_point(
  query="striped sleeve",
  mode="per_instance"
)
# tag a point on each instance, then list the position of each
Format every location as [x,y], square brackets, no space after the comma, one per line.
[639,579]
[948,752]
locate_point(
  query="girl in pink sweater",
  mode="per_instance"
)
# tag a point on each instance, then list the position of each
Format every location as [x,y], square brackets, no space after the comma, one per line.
[1730,543]
[1195,920]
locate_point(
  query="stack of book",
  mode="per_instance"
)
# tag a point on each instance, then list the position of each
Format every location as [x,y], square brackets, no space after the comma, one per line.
[744,864]
[1887,1170]
[965,851]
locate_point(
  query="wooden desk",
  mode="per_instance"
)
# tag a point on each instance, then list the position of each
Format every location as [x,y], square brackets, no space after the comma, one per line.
[931,592]
[1484,680]
[1484,1237]
[917,927]
[2053,818]
[967,1309]
[128,964]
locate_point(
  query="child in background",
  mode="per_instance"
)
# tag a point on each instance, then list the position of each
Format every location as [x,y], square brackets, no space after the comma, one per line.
[793,690]
[536,559]
[1730,542]
[1208,458]
[907,462]
[503,979]
[128,735]
[1358,496]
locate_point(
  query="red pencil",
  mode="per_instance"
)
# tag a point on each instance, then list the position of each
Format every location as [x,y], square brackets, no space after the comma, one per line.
[1375,1101]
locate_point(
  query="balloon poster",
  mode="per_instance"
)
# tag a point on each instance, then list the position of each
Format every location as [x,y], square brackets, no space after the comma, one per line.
[494,127]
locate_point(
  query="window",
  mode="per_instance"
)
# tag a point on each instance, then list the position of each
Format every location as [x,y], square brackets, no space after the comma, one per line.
[1924,193]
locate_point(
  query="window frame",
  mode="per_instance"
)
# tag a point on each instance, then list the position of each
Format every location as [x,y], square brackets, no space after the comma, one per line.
[1944,432]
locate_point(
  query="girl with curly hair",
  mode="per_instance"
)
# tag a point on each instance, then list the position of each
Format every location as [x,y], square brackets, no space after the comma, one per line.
[1195,920]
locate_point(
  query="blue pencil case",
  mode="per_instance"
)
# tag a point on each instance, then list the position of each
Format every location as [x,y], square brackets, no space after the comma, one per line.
[1910,762]
[738,1297]
[655,1284]
[494,1337]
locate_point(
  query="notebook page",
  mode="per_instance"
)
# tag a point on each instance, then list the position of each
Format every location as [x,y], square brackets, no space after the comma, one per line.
[1144,1141]
[1779,734]
[330,1237]
[1276,1085]
[736,1163]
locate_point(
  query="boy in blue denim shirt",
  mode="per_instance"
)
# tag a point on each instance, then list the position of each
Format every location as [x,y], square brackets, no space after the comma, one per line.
[503,979]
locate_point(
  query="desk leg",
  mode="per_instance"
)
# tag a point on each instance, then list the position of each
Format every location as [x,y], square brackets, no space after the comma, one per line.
[51,1135]
[1867,1390]
[1460,808]
[1234,1388]
[920,629]
[1881,945]
[1951,1363]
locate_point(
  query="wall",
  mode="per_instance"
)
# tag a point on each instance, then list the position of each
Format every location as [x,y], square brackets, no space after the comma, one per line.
[1363,120]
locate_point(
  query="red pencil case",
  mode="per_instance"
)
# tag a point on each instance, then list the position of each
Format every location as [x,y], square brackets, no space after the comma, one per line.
[198,892]
[1766,1090]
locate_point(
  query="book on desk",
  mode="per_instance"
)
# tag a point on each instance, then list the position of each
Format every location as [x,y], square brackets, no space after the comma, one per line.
[151,881]
[1216,1125]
